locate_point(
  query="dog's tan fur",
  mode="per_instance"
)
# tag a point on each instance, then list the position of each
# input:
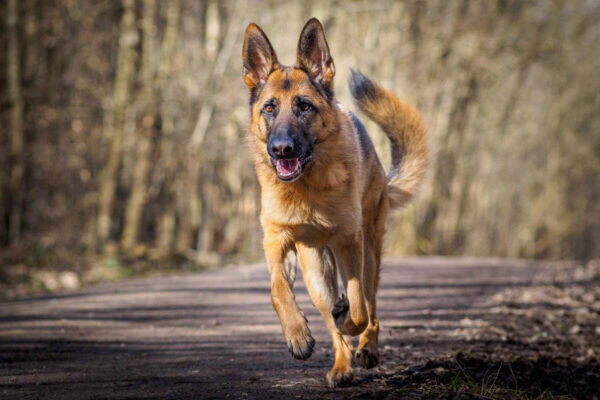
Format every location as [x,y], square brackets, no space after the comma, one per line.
[333,216]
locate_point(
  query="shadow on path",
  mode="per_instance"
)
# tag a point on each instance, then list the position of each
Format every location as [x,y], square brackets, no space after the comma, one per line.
[447,328]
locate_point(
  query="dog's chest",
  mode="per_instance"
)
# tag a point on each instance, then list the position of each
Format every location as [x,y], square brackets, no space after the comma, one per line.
[313,221]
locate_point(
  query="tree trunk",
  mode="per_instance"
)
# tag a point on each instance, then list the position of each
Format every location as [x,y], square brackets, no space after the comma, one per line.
[144,139]
[166,223]
[188,198]
[121,96]
[212,85]
[16,123]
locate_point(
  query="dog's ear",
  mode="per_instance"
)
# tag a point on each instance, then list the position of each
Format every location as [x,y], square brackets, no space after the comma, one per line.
[313,54]
[259,58]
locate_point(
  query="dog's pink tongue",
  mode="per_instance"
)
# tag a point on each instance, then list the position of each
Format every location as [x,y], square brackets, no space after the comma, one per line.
[287,167]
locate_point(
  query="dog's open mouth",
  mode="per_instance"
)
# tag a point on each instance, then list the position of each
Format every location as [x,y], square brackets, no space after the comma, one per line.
[290,169]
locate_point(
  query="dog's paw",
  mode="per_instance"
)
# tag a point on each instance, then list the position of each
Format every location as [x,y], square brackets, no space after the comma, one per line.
[367,358]
[337,378]
[340,311]
[301,344]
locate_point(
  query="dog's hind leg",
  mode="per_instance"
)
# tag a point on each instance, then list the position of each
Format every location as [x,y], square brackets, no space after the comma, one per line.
[367,353]
[320,276]
[293,323]
[350,314]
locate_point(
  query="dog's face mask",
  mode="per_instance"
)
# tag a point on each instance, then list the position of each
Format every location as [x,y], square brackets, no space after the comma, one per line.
[290,105]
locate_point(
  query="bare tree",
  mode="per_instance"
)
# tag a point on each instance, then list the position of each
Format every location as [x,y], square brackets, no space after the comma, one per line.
[143,139]
[166,221]
[17,139]
[101,146]
[121,96]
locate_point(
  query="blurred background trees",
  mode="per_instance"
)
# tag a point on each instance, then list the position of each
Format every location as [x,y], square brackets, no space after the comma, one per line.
[123,125]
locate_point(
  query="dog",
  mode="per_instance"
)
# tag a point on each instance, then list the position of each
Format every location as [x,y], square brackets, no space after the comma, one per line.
[324,193]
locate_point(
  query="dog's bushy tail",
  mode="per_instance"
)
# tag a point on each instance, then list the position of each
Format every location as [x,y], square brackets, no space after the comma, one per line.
[406,130]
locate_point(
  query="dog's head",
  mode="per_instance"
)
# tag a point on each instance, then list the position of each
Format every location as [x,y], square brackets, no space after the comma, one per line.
[292,107]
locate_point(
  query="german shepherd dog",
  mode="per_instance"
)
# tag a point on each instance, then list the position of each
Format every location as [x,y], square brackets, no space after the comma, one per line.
[324,193]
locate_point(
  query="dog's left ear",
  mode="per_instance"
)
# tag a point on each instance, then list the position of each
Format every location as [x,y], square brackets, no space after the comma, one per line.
[313,54]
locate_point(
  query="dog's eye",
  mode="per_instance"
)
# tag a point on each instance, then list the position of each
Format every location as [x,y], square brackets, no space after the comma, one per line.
[305,106]
[268,108]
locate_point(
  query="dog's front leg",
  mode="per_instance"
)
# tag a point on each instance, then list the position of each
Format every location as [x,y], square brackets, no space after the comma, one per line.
[320,276]
[293,323]
[351,315]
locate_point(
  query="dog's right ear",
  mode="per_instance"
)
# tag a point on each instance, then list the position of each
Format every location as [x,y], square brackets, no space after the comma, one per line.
[258,57]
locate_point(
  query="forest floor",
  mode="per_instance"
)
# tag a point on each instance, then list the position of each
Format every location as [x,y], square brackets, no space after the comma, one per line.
[451,328]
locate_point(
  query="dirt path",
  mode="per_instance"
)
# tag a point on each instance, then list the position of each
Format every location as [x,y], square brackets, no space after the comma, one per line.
[215,335]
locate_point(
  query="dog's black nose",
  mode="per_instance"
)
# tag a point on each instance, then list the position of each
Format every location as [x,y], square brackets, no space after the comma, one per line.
[281,147]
